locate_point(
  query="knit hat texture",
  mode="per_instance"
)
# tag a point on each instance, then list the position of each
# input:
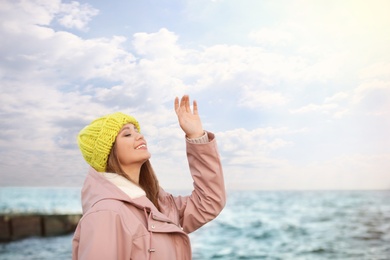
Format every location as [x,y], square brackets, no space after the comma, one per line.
[96,139]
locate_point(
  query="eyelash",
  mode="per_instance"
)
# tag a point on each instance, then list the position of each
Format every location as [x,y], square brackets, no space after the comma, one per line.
[127,135]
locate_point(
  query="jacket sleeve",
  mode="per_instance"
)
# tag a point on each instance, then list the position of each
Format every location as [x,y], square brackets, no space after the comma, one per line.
[102,236]
[208,197]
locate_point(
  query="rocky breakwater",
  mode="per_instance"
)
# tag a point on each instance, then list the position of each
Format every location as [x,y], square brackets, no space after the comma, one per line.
[16,226]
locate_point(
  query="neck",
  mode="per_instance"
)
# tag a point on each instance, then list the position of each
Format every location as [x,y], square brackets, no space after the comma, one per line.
[133,172]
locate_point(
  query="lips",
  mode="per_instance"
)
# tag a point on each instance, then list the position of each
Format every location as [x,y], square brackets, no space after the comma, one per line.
[140,146]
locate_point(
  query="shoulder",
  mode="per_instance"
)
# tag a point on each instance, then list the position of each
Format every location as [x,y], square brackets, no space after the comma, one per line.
[165,199]
[115,212]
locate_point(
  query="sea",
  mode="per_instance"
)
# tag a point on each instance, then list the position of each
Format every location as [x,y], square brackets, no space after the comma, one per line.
[275,225]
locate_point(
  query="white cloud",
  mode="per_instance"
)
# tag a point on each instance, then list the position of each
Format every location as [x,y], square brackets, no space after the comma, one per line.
[59,81]
[375,71]
[373,97]
[342,173]
[338,97]
[28,13]
[324,108]
[270,36]
[162,44]
[254,148]
[76,15]
[254,98]
[44,12]
[368,87]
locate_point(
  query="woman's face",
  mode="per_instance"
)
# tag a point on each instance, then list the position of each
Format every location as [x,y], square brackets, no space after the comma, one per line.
[131,146]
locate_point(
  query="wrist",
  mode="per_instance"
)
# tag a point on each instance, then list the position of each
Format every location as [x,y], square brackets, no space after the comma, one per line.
[196,135]
[199,140]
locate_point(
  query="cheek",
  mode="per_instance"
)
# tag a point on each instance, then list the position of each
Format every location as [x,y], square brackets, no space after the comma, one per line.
[122,151]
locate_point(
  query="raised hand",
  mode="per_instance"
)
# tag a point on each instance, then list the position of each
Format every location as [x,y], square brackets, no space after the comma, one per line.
[189,121]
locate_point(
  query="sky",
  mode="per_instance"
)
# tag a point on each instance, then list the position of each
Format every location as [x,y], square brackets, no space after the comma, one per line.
[296,92]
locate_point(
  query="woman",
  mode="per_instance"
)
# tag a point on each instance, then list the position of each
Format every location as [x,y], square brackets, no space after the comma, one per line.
[126,215]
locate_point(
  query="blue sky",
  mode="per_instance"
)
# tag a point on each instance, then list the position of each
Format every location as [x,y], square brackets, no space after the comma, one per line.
[297,92]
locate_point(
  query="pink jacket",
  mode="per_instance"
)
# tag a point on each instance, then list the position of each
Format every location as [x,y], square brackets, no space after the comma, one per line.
[118,226]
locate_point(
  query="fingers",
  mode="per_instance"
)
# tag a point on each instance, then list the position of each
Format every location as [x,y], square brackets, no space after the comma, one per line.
[184,105]
[176,104]
[195,106]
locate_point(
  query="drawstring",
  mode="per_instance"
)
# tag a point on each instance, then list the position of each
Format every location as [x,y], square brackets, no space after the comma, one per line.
[147,216]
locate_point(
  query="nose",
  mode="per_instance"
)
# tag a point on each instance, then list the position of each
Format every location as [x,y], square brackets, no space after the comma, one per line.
[139,136]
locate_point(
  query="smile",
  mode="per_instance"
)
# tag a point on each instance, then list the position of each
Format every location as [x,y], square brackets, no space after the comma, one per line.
[141,146]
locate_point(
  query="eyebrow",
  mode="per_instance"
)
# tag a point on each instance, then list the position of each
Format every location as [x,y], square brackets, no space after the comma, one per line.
[126,128]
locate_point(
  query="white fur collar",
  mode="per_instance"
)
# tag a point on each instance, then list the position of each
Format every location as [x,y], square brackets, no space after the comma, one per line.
[128,187]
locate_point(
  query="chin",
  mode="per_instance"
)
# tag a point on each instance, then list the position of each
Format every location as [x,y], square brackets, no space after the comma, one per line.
[148,157]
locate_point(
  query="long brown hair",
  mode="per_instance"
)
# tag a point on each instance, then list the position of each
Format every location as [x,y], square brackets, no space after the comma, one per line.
[147,179]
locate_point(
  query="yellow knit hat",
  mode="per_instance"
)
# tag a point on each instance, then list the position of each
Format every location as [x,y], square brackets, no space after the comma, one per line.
[96,139]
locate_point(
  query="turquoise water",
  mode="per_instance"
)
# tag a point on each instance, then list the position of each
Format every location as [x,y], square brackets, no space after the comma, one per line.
[40,200]
[253,225]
